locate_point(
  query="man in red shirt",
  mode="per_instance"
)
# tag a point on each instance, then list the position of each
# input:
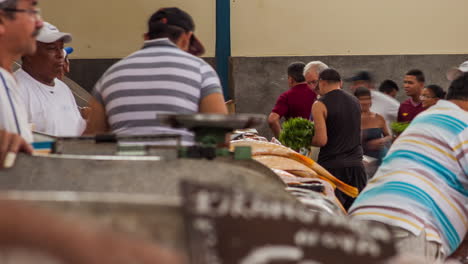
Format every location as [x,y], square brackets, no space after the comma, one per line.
[413,84]
[295,102]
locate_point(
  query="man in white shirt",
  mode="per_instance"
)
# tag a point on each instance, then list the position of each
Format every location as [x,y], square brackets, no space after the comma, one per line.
[382,104]
[18,30]
[50,104]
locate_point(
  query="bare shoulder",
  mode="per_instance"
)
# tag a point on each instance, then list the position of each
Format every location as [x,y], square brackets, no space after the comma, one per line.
[379,118]
[319,109]
[319,105]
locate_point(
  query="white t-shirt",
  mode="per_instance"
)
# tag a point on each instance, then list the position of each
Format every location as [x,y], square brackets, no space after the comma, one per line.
[13,116]
[385,106]
[51,109]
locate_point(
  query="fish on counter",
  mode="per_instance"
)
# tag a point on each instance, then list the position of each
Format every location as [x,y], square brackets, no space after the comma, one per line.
[276,156]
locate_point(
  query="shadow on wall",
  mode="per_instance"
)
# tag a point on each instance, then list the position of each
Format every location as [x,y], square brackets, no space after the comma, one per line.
[259,81]
[86,72]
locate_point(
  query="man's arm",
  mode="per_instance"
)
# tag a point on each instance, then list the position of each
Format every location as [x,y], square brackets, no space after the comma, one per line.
[213,104]
[97,122]
[279,110]
[319,113]
[10,144]
[274,123]
[212,99]
[32,228]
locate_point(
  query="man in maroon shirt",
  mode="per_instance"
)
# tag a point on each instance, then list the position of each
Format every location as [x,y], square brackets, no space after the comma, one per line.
[413,84]
[295,102]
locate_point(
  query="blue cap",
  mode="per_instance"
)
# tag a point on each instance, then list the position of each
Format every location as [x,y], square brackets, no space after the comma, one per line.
[68,50]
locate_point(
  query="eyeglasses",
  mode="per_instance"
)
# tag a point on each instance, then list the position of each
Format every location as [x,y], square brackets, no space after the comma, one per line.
[32,12]
[313,82]
[423,97]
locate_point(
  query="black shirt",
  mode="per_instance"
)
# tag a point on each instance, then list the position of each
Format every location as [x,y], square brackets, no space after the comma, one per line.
[343,148]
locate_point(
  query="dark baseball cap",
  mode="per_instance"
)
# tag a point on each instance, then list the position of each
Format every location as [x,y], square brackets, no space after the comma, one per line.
[360,76]
[176,17]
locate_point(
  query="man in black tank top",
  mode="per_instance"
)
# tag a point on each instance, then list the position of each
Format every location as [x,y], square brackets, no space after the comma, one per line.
[337,117]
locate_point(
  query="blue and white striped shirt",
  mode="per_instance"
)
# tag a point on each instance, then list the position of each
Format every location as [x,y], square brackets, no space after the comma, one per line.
[423,181]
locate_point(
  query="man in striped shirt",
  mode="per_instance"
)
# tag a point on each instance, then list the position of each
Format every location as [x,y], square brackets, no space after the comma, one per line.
[162,77]
[421,189]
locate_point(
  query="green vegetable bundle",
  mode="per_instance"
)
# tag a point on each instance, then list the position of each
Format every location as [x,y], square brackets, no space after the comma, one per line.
[297,133]
[399,127]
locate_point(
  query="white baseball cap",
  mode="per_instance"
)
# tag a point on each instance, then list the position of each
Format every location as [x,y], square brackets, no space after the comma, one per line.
[455,72]
[50,33]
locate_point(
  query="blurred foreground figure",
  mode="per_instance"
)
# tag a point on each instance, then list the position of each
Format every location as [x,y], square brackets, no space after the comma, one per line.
[20,24]
[26,230]
[421,189]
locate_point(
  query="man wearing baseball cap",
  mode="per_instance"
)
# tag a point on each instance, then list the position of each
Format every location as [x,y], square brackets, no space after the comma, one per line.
[50,104]
[19,26]
[455,72]
[165,76]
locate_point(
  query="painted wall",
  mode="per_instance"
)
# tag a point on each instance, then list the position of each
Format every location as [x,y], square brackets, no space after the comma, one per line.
[114,28]
[357,27]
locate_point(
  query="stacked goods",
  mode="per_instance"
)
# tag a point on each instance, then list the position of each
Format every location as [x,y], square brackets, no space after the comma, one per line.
[281,158]
[293,180]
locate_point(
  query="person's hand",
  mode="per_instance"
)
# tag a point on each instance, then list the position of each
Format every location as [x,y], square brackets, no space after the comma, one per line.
[73,240]
[10,144]
[376,144]
[110,247]
[85,112]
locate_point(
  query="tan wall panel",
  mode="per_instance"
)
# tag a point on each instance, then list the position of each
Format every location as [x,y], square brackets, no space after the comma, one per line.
[355,27]
[114,28]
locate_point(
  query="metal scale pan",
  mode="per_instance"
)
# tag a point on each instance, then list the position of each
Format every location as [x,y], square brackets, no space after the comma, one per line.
[228,122]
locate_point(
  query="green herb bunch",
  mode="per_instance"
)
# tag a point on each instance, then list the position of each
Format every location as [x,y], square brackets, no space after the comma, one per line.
[399,127]
[297,133]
